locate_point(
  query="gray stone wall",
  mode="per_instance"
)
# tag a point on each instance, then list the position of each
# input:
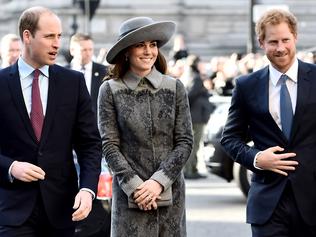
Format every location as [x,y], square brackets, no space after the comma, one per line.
[210,27]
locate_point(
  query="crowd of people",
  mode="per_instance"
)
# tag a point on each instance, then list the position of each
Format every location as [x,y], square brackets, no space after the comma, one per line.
[145,113]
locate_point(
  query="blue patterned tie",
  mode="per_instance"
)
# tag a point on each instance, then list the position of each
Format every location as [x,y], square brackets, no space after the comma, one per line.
[286,110]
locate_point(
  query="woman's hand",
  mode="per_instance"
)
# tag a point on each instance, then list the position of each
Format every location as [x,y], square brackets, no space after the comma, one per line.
[146,195]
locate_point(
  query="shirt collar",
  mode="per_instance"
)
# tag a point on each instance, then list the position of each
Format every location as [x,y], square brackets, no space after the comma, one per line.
[78,67]
[132,80]
[291,73]
[26,69]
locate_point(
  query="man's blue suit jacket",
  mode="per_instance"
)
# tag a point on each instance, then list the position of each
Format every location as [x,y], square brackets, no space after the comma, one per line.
[249,116]
[69,124]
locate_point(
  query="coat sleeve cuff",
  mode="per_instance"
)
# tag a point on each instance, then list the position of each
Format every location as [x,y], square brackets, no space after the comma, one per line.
[161,178]
[131,185]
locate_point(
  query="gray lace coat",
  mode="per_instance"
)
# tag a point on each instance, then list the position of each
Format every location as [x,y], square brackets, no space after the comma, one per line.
[145,125]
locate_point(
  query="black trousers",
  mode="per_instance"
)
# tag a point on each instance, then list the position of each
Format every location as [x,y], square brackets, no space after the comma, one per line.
[286,221]
[37,225]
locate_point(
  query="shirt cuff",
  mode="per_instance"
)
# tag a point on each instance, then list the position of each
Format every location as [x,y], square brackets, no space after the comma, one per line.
[255,161]
[10,177]
[90,191]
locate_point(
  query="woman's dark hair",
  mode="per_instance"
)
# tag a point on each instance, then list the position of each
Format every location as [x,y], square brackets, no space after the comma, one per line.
[121,65]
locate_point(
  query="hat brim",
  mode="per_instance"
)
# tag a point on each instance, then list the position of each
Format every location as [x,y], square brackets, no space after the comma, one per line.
[159,31]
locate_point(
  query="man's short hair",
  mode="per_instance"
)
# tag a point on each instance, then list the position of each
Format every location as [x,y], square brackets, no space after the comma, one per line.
[275,17]
[7,39]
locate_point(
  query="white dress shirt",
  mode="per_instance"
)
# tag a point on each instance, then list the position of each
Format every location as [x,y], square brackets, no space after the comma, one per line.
[274,90]
[87,72]
[26,78]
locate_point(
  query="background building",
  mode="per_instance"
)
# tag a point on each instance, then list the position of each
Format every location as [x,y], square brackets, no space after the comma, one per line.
[210,27]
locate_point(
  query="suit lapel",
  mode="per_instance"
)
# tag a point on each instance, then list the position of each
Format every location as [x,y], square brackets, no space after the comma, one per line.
[303,92]
[94,82]
[262,92]
[17,96]
[51,103]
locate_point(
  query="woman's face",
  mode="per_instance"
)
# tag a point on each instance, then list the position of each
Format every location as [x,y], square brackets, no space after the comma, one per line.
[142,57]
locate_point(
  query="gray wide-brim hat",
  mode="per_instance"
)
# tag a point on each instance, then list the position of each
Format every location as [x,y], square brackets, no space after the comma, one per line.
[138,29]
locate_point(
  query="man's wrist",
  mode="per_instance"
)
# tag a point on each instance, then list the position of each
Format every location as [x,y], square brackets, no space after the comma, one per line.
[89,191]
[10,176]
[255,161]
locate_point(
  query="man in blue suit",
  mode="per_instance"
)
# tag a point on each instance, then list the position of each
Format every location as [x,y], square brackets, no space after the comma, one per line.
[282,196]
[46,112]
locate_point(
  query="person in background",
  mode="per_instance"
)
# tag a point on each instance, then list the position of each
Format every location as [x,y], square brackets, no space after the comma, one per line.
[200,108]
[145,125]
[275,108]
[46,112]
[10,49]
[82,49]
[179,50]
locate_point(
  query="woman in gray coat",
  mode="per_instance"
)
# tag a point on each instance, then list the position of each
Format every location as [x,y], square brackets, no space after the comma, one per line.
[145,125]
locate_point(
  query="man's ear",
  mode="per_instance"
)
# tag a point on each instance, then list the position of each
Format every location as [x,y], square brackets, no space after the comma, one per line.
[71,50]
[26,36]
[260,43]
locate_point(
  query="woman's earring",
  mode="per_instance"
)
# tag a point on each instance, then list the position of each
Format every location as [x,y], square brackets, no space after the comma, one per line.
[126,58]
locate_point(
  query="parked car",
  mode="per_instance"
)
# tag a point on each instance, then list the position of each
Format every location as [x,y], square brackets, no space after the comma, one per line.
[217,161]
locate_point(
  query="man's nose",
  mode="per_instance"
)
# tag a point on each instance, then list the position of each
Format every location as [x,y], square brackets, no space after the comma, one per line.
[280,46]
[56,42]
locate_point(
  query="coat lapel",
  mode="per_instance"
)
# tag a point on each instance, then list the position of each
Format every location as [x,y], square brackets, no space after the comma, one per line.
[262,92]
[17,96]
[94,82]
[303,92]
[51,103]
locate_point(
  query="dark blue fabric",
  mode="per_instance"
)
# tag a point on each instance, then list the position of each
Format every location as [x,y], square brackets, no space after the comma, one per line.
[249,116]
[286,111]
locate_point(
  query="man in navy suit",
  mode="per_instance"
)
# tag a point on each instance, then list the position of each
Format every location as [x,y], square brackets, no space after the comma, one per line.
[282,196]
[39,193]
[81,49]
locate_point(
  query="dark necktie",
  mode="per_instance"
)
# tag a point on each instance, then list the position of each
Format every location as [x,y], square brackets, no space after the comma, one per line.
[286,110]
[37,116]
[83,69]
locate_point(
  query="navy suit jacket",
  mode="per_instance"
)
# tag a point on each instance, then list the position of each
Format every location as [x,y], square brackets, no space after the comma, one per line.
[249,116]
[69,124]
[99,71]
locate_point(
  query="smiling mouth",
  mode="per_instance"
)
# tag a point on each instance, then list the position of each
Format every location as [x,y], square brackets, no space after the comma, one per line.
[146,59]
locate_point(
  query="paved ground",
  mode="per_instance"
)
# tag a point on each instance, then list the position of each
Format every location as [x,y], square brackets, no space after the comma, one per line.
[215,208]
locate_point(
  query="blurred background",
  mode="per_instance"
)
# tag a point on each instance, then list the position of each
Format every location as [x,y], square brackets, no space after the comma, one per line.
[209,27]
[220,33]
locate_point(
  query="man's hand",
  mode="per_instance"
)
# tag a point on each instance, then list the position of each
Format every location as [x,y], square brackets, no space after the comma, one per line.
[83,205]
[146,195]
[26,172]
[268,160]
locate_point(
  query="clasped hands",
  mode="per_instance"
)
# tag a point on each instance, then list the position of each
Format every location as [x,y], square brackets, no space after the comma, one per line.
[271,159]
[146,195]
